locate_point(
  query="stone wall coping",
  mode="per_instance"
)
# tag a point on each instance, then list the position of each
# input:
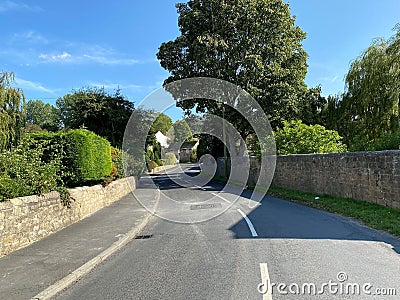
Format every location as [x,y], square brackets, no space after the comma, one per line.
[20,201]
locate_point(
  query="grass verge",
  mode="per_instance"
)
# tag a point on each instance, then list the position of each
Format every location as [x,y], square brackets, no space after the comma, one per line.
[370,214]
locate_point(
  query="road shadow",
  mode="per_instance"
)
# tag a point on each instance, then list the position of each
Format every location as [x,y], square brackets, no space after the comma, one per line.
[283,219]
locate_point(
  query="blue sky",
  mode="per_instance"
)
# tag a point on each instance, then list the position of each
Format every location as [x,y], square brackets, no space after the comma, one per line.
[56,46]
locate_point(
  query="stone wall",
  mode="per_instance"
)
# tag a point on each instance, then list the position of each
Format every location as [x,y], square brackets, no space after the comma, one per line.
[369,176]
[25,220]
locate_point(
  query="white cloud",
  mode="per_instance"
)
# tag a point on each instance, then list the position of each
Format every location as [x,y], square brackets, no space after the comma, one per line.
[56,57]
[110,60]
[123,87]
[31,85]
[30,36]
[18,6]
[89,54]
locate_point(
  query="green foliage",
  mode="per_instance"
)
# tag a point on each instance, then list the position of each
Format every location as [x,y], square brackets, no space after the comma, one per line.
[209,144]
[296,137]
[162,123]
[310,106]
[254,44]
[11,112]
[182,131]
[170,159]
[132,166]
[106,115]
[193,155]
[24,171]
[85,156]
[42,114]
[118,167]
[370,106]
[389,141]
[31,128]
[151,165]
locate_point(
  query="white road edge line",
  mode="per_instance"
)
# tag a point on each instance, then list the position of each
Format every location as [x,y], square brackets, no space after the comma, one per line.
[251,227]
[265,281]
[216,195]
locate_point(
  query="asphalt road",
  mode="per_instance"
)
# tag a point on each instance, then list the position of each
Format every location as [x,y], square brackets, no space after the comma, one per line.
[230,251]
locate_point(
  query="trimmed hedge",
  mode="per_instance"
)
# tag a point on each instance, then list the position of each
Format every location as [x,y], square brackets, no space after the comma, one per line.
[85,157]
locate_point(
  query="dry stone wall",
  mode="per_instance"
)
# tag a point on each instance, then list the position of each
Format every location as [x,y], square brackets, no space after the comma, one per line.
[25,220]
[369,176]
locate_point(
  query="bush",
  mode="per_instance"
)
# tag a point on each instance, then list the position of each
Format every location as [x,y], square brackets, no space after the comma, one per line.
[132,166]
[151,165]
[170,159]
[296,137]
[85,157]
[23,173]
[389,141]
[193,155]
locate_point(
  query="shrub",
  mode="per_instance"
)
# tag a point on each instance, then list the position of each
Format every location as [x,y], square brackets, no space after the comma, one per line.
[296,137]
[85,157]
[151,165]
[88,156]
[193,155]
[23,173]
[170,159]
[132,166]
[389,141]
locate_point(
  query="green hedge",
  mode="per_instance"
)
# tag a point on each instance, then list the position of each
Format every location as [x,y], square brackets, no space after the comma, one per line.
[85,157]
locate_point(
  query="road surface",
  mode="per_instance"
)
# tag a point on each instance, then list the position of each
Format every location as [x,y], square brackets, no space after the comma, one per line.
[276,250]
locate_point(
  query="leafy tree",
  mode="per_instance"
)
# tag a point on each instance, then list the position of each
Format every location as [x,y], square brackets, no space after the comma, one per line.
[370,105]
[11,111]
[106,115]
[311,105]
[42,114]
[162,123]
[209,144]
[251,43]
[182,131]
[195,123]
[296,137]
[331,114]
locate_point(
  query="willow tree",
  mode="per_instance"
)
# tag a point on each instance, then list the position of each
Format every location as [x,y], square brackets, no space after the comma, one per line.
[251,43]
[11,111]
[371,101]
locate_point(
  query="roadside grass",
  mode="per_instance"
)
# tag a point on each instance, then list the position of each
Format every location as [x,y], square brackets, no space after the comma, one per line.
[370,214]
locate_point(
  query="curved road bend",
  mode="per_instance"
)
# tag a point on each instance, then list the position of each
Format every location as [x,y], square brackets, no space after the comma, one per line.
[302,252]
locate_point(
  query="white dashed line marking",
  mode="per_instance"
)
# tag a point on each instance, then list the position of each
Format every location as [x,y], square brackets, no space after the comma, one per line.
[265,282]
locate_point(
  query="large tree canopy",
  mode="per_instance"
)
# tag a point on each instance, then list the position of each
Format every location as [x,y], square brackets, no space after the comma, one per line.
[251,43]
[105,114]
[11,111]
[370,105]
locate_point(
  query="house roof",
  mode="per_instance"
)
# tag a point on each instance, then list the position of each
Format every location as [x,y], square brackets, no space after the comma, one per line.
[189,145]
